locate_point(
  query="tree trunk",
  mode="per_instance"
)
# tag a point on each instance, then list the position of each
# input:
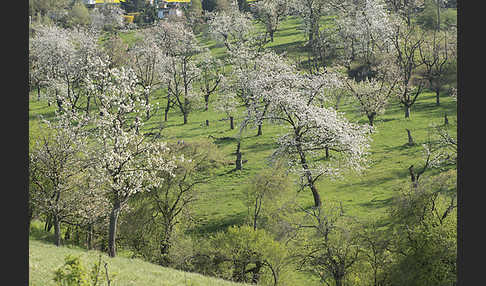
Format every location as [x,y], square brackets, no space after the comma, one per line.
[67,234]
[167,107]
[437,98]
[256,273]
[165,246]
[407,111]
[38,92]
[238,157]
[308,175]
[414,177]
[185,117]
[446,120]
[371,119]
[232,125]
[339,281]
[112,231]
[259,133]
[57,230]
[206,102]
[48,223]
[147,115]
[410,139]
[59,102]
[87,104]
[89,237]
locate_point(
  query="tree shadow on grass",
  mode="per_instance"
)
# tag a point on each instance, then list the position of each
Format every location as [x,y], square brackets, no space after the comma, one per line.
[37,233]
[377,203]
[47,115]
[215,225]
[289,48]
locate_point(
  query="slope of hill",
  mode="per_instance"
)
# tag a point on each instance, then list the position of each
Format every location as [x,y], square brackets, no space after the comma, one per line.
[45,258]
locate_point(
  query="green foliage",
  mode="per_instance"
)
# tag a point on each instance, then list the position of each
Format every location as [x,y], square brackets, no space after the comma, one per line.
[424,233]
[45,6]
[157,220]
[428,17]
[248,255]
[268,195]
[330,248]
[78,15]
[73,273]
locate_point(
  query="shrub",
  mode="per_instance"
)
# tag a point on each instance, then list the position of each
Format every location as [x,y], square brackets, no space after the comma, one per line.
[73,273]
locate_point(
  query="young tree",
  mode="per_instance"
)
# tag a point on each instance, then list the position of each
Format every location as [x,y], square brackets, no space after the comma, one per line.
[249,255]
[372,95]
[332,246]
[212,74]
[57,164]
[438,55]
[172,201]
[263,192]
[406,41]
[227,103]
[374,243]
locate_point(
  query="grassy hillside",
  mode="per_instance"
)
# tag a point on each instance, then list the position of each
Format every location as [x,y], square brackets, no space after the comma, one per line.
[45,258]
[221,201]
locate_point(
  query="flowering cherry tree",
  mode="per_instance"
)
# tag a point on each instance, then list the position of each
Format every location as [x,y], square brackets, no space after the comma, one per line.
[126,163]
[212,74]
[179,70]
[311,11]
[364,27]
[249,68]
[373,96]
[270,13]
[312,129]
[148,60]
[231,27]
[227,103]
[63,57]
